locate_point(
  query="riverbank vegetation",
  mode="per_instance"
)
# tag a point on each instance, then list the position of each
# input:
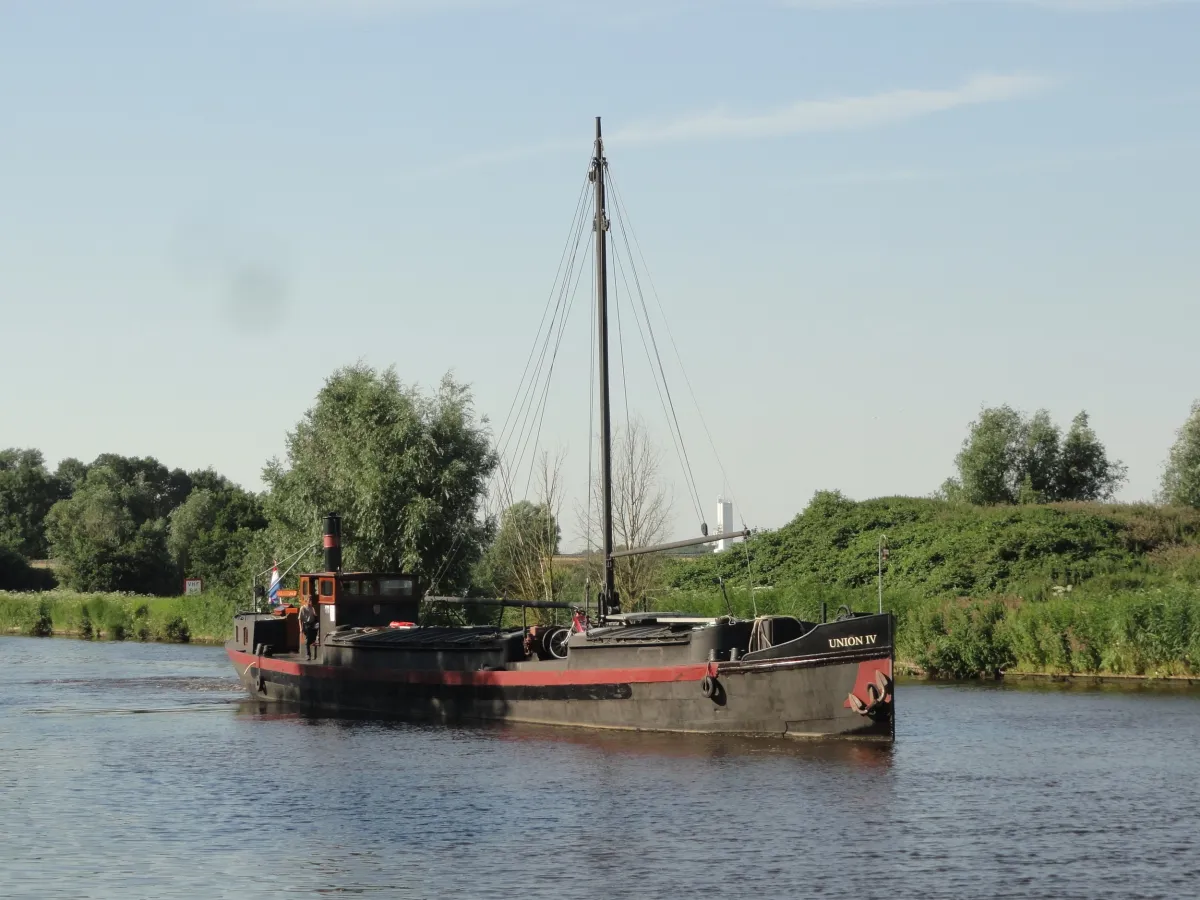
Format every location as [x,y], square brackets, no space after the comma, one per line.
[1064,588]
[115,616]
[1016,562]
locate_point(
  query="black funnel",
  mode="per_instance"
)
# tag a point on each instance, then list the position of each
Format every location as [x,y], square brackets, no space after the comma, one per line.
[333,542]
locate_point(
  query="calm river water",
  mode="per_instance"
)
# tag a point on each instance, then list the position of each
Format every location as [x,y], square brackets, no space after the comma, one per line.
[136,770]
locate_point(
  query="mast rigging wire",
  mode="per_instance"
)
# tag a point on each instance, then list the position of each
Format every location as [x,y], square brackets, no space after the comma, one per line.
[527,411]
[573,231]
[534,394]
[664,390]
[546,388]
[523,401]
[526,406]
[620,205]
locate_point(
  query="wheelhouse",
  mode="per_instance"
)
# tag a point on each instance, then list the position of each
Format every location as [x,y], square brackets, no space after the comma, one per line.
[343,599]
[361,599]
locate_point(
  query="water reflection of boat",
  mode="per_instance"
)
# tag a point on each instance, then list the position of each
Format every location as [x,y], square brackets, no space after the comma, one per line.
[702,746]
[649,671]
[867,754]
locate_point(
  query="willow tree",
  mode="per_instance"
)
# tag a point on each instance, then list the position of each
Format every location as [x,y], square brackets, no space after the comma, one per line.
[1181,477]
[1008,457]
[406,469]
[520,561]
[641,512]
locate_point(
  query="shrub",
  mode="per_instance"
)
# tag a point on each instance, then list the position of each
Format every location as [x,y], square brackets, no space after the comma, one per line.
[960,639]
[943,549]
[43,625]
[17,575]
[141,623]
[176,631]
[116,622]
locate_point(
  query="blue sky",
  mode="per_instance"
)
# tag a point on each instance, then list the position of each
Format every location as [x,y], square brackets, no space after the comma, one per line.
[864,221]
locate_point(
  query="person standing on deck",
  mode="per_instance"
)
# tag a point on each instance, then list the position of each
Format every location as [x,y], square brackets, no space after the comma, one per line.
[309,624]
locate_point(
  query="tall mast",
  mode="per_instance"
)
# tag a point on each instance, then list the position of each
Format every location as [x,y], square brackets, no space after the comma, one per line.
[608,596]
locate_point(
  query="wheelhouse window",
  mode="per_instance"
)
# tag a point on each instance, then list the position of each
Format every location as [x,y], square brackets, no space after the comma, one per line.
[396,587]
[326,587]
[368,588]
[351,587]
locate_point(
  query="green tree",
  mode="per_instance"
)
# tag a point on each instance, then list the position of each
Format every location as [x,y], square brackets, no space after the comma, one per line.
[1038,458]
[148,488]
[406,470]
[1181,477]
[109,535]
[1009,458]
[641,512]
[1085,472]
[212,530]
[519,563]
[989,465]
[70,474]
[27,491]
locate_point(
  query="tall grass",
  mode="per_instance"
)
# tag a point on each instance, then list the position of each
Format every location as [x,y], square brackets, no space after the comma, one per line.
[1153,631]
[1150,628]
[118,616]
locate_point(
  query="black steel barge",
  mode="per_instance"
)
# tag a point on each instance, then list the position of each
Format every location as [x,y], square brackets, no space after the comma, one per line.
[770,675]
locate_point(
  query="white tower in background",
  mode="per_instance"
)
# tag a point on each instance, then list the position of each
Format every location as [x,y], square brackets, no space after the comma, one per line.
[724,522]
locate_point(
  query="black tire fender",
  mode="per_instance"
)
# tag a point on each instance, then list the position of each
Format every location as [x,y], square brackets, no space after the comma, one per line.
[709,686]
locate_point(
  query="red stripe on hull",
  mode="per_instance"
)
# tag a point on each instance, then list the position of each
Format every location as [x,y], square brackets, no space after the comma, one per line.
[644,675]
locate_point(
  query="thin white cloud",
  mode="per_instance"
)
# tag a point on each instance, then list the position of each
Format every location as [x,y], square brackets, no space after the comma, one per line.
[614,11]
[621,9]
[1080,6]
[805,117]
[489,159]
[838,114]
[1066,161]
[380,7]
[355,11]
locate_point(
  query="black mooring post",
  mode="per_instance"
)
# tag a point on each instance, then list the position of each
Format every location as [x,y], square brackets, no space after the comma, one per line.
[824,618]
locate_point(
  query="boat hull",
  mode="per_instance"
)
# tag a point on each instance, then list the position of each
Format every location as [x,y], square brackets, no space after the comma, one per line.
[804,697]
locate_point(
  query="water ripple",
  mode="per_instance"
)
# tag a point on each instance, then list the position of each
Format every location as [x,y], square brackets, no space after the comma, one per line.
[110,786]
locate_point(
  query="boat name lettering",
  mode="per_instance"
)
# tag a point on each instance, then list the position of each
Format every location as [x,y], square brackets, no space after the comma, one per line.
[854,640]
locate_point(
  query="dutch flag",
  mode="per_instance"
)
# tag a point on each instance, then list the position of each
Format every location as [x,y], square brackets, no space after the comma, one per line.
[273,590]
